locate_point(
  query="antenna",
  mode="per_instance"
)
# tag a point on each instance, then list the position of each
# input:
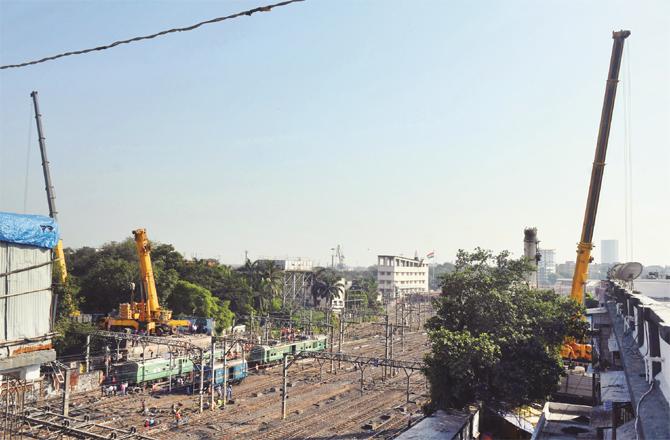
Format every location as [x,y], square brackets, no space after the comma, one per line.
[628,271]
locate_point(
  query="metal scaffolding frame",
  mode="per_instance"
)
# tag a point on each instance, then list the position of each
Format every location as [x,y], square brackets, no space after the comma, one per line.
[296,287]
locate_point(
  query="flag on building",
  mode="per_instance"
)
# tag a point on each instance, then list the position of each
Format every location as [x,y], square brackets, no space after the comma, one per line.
[431,254]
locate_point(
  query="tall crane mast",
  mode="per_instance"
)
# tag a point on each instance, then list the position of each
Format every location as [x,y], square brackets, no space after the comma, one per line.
[147,274]
[51,195]
[585,244]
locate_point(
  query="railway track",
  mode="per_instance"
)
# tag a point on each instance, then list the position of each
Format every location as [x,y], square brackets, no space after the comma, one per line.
[317,408]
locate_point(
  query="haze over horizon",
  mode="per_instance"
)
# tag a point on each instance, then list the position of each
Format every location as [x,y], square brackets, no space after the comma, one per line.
[385,127]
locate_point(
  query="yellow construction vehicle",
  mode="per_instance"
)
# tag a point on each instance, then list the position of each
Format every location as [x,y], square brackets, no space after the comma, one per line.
[145,315]
[573,349]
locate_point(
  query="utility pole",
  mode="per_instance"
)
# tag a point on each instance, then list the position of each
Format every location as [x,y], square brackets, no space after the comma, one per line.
[212,374]
[402,329]
[225,374]
[332,337]
[339,346]
[170,375]
[391,352]
[284,388]
[202,378]
[386,342]
[88,353]
[410,311]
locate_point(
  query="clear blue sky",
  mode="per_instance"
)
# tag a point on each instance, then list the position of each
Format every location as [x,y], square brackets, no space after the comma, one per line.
[384,126]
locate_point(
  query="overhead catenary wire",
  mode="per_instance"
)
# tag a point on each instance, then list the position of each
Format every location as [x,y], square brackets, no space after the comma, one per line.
[249,12]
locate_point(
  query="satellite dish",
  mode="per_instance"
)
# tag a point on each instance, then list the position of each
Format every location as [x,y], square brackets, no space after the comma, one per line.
[611,273]
[629,271]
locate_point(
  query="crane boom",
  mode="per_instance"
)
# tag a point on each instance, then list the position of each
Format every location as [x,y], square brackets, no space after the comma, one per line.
[586,245]
[146,273]
[51,195]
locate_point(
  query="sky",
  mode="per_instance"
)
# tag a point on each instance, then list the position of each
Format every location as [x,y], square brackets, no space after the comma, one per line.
[388,127]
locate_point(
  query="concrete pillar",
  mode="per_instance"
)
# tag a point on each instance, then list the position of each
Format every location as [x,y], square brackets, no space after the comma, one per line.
[530,251]
[66,393]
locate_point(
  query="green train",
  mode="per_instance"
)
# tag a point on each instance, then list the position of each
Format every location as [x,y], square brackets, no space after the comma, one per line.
[158,369]
[270,354]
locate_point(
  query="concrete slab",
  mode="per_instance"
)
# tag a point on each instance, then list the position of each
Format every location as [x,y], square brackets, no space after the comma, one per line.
[15,363]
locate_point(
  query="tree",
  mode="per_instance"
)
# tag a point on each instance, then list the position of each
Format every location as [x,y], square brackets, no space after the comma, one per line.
[271,282]
[327,283]
[191,299]
[107,284]
[265,280]
[70,337]
[493,337]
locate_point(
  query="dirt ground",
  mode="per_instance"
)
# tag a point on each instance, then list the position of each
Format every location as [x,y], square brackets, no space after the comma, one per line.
[320,406]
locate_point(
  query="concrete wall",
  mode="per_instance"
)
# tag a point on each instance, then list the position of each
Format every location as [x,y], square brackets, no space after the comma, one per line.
[25,310]
[649,322]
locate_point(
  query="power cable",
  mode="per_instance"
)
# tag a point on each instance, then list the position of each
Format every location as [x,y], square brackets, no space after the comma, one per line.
[248,12]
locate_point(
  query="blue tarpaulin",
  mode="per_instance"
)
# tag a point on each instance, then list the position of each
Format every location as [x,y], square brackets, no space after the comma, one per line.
[31,230]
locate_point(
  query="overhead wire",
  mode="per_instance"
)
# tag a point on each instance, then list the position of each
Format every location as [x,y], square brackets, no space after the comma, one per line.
[249,12]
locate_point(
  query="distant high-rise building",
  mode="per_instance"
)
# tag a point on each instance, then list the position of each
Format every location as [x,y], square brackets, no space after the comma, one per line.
[546,266]
[609,251]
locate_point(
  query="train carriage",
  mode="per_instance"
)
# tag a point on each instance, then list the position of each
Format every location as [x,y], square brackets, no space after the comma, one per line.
[266,354]
[236,368]
[156,370]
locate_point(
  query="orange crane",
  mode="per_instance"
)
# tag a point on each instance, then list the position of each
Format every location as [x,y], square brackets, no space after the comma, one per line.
[146,314]
[573,349]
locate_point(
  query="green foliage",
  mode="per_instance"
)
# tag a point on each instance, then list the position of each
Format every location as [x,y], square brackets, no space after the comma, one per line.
[326,284]
[265,281]
[590,302]
[67,295]
[107,283]
[191,299]
[366,289]
[70,337]
[491,330]
[438,271]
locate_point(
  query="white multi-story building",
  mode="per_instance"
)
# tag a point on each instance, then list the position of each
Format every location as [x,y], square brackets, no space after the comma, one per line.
[609,251]
[294,265]
[400,276]
[546,266]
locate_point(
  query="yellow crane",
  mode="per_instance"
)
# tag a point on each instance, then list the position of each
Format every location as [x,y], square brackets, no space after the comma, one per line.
[146,314]
[573,349]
